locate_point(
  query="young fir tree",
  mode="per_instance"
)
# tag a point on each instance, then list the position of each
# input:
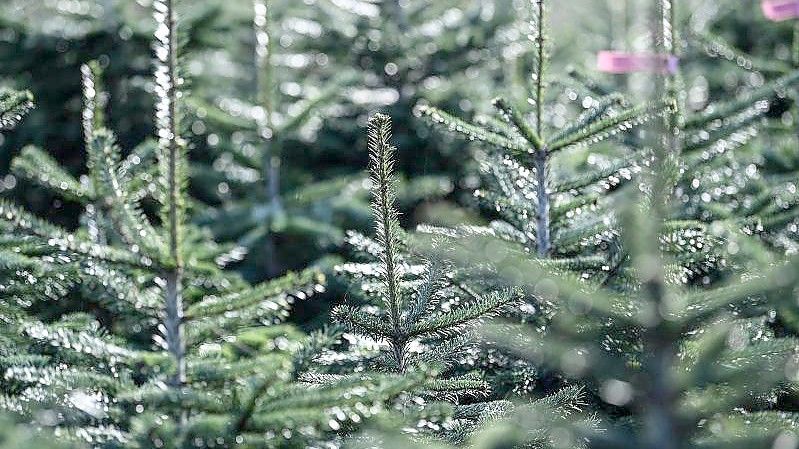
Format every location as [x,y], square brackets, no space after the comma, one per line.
[412,315]
[541,209]
[558,213]
[257,208]
[281,187]
[187,354]
[558,209]
[766,197]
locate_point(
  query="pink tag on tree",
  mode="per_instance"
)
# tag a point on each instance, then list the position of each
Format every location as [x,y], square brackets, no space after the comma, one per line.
[779,10]
[622,62]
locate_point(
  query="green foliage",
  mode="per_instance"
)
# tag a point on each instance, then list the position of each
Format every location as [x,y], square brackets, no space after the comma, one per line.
[18,437]
[627,278]
[518,175]
[555,222]
[13,106]
[260,188]
[702,356]
[730,136]
[416,314]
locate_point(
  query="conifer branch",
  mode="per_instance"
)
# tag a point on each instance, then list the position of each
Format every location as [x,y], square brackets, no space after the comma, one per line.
[495,124]
[737,125]
[15,219]
[425,295]
[515,117]
[449,322]
[131,221]
[603,108]
[603,128]
[562,210]
[473,132]
[260,294]
[38,166]
[13,106]
[360,321]
[768,91]
[716,47]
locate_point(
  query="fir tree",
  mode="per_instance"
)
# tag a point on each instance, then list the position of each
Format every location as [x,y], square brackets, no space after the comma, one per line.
[419,318]
[570,207]
[280,205]
[262,208]
[557,213]
[768,204]
[538,211]
[202,358]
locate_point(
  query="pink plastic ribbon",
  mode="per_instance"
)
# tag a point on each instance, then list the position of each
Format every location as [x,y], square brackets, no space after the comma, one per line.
[779,10]
[621,62]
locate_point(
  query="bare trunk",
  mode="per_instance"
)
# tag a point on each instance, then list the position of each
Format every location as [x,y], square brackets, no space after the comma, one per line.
[174,326]
[271,157]
[174,301]
[661,423]
[273,183]
[662,431]
[543,239]
[795,51]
